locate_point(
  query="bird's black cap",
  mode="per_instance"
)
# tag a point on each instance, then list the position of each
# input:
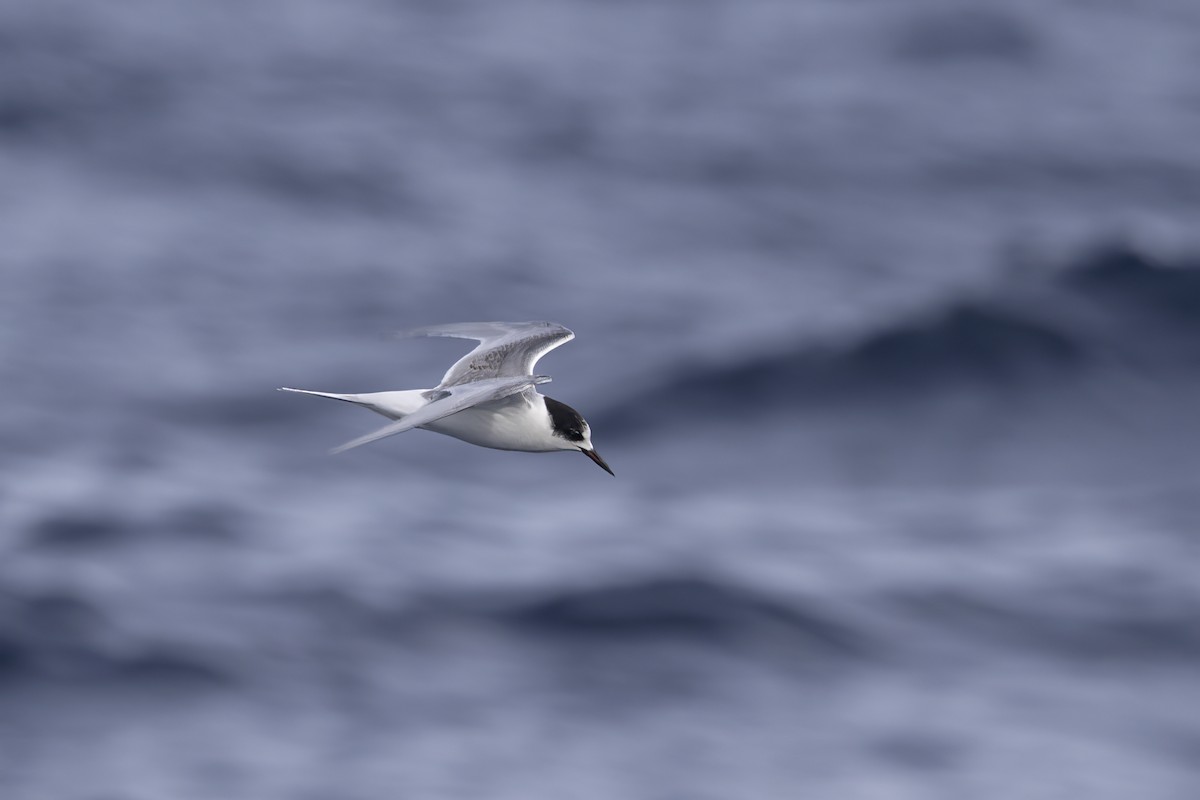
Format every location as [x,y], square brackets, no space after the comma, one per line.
[565,421]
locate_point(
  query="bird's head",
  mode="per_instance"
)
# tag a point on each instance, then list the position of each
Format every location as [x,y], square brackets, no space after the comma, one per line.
[571,431]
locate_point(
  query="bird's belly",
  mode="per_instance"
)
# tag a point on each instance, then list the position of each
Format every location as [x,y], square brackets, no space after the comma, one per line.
[500,430]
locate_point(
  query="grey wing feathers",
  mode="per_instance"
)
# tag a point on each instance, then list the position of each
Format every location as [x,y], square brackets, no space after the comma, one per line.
[506,349]
[450,401]
[482,331]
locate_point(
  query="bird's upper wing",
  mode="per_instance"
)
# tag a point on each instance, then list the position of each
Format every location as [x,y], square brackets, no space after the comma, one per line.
[506,349]
[450,400]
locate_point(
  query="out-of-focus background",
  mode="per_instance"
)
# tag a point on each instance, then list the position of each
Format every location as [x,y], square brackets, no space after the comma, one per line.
[887,320]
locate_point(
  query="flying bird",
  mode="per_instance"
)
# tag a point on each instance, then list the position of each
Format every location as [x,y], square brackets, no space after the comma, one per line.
[487,397]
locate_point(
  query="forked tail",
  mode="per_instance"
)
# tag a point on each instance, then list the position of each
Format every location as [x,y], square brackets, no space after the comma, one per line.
[392,405]
[349,398]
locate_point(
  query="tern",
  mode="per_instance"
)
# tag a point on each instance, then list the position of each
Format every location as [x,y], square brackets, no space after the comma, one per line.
[487,397]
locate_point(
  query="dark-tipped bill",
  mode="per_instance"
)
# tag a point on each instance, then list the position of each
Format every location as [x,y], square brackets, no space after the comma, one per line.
[594,456]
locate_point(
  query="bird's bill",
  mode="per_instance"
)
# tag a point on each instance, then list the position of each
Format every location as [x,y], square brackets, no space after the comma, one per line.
[594,456]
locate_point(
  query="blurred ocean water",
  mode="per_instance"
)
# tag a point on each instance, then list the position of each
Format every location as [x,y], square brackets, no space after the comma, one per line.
[888,321]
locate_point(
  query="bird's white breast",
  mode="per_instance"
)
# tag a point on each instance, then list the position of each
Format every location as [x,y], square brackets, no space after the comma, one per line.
[515,423]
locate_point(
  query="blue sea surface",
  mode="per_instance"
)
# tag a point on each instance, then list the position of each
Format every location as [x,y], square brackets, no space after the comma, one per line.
[888,322]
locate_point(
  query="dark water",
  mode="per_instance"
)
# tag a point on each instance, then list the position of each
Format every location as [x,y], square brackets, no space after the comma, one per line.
[889,324]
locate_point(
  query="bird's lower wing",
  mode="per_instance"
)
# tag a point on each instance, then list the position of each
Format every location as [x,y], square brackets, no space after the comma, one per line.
[450,401]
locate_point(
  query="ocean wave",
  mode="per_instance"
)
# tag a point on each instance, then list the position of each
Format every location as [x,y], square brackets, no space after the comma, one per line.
[1111,630]
[60,81]
[670,607]
[70,531]
[1119,275]
[683,607]
[965,342]
[941,35]
[1062,323]
[969,345]
[59,635]
[99,529]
